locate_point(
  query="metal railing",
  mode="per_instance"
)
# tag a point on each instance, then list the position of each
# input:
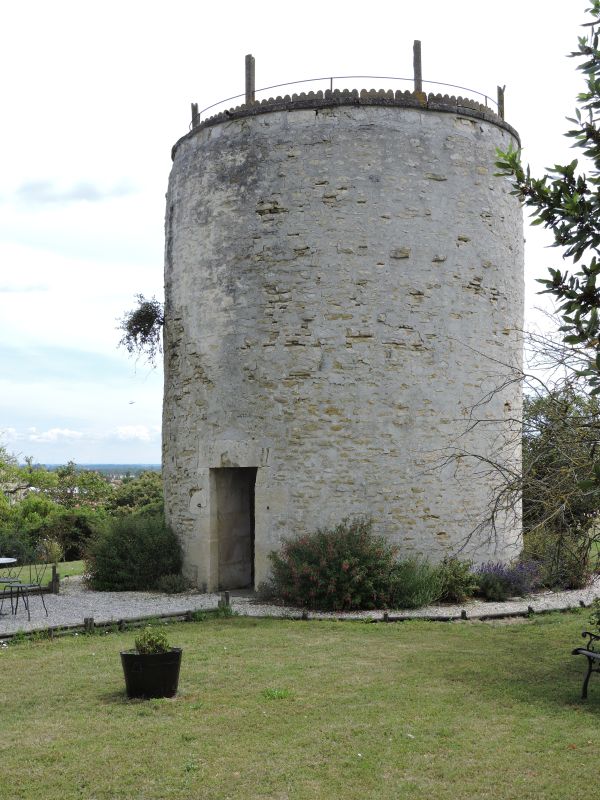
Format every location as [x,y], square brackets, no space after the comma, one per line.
[197,115]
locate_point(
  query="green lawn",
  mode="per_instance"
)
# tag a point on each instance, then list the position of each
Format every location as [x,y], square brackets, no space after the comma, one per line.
[281,709]
[66,569]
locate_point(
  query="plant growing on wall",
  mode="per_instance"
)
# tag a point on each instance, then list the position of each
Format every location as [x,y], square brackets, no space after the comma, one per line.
[142,328]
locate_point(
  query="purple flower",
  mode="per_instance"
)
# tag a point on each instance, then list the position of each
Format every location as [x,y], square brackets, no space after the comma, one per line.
[518,579]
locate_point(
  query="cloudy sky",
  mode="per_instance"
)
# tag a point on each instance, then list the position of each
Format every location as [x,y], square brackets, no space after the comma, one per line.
[93,97]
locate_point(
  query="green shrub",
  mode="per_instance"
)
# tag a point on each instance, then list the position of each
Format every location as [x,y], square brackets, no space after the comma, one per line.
[415,584]
[458,582]
[132,553]
[29,514]
[564,559]
[50,551]
[343,568]
[595,615]
[36,517]
[266,592]
[72,528]
[174,583]
[152,641]
[224,612]
[15,545]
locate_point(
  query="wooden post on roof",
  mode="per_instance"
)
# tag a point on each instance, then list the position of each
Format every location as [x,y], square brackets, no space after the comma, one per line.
[250,79]
[417,67]
[501,101]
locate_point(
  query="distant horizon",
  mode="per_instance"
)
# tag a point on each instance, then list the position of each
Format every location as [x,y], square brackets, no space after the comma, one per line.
[121,464]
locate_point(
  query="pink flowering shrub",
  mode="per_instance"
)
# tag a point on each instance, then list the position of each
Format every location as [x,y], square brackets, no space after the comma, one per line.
[347,567]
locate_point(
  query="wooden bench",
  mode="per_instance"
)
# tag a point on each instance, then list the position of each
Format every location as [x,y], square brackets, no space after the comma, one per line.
[592,656]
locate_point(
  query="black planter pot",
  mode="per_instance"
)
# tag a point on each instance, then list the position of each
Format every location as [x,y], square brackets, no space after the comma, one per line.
[152,674]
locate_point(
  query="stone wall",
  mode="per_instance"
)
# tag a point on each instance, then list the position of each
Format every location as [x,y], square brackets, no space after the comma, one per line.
[343,286]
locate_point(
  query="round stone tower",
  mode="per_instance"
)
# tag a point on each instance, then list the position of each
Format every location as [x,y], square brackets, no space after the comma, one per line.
[344,285]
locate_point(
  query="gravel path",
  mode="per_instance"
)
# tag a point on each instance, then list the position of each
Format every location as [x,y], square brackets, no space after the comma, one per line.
[75,602]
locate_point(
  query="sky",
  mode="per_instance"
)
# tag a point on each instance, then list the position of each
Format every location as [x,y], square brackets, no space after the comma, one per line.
[94,95]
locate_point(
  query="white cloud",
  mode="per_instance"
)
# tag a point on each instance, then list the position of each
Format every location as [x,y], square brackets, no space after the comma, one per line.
[19,288]
[142,433]
[54,435]
[48,191]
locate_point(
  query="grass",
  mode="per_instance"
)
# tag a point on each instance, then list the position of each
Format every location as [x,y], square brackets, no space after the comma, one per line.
[281,709]
[66,569]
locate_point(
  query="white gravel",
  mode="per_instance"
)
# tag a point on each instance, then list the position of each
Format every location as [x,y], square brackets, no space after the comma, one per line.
[75,602]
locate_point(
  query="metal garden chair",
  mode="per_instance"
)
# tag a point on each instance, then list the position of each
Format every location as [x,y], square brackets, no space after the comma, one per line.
[20,583]
[30,582]
[9,576]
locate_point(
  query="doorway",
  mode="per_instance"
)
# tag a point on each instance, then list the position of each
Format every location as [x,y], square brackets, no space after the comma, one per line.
[234,495]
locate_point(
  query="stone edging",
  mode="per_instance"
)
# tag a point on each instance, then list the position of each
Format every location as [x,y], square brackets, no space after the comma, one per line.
[345,97]
[544,603]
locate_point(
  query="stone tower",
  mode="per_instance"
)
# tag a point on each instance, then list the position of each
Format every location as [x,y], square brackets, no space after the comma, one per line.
[344,283]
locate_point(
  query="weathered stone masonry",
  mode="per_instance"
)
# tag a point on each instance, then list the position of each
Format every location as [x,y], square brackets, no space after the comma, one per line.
[344,280]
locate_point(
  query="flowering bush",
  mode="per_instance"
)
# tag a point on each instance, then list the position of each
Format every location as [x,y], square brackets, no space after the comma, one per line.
[344,568]
[499,581]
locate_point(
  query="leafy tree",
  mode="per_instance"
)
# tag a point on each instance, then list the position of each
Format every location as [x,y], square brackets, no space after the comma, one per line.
[71,528]
[558,487]
[15,479]
[30,514]
[567,202]
[66,505]
[75,487]
[67,485]
[561,434]
[144,493]
[5,510]
[561,496]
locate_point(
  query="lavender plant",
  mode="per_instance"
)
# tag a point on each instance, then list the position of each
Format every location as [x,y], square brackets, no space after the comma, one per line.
[498,581]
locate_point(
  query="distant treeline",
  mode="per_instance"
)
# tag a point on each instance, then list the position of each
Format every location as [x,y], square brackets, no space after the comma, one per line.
[110,470]
[67,504]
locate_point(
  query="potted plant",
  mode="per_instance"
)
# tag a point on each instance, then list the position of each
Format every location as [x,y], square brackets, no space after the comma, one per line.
[152,668]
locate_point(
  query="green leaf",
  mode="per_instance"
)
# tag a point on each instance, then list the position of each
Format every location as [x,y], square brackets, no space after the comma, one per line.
[587,484]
